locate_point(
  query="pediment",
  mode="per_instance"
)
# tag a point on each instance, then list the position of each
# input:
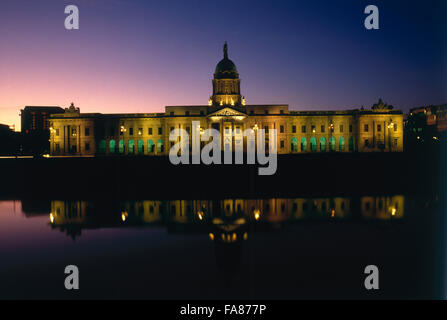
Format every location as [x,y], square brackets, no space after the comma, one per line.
[227,112]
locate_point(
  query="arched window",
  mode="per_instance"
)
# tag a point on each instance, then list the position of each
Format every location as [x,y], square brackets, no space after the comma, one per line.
[313,144]
[131,146]
[294,144]
[150,146]
[160,146]
[112,146]
[351,143]
[102,146]
[121,146]
[322,144]
[331,144]
[303,144]
[140,146]
[341,144]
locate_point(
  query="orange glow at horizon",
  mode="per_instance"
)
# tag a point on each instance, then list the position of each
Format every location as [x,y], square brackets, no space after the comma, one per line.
[90,93]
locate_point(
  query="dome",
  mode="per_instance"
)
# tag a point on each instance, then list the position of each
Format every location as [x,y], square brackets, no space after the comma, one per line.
[226,69]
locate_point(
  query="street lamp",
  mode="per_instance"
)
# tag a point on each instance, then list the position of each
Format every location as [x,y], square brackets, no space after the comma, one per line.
[390,126]
[255,127]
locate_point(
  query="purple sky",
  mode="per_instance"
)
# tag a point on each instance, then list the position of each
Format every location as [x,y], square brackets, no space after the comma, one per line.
[139,56]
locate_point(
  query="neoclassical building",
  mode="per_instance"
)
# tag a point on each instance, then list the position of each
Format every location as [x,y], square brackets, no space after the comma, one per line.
[379,129]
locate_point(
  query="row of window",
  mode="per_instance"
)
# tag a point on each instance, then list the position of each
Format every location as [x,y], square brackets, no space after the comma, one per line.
[266,128]
[322,128]
[380,144]
[379,127]
[304,207]
[73,148]
[324,146]
[294,145]
[314,206]
[74,132]
[380,205]
[120,148]
[252,112]
[187,113]
[113,148]
[139,131]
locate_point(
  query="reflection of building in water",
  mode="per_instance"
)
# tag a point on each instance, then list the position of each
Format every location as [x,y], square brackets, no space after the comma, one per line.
[69,216]
[321,207]
[217,218]
[383,208]
[225,222]
[148,211]
[359,130]
[35,207]
[68,212]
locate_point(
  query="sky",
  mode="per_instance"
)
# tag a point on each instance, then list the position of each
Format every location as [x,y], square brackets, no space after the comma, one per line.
[141,55]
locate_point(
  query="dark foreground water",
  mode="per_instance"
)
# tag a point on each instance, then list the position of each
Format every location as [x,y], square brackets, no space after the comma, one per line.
[300,248]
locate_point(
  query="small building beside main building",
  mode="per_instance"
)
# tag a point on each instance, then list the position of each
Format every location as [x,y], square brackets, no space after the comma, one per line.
[379,129]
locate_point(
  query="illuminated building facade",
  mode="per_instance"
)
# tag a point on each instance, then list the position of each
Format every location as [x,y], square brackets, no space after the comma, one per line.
[87,134]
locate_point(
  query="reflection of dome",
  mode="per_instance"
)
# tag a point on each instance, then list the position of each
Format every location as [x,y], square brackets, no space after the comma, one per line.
[226,69]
